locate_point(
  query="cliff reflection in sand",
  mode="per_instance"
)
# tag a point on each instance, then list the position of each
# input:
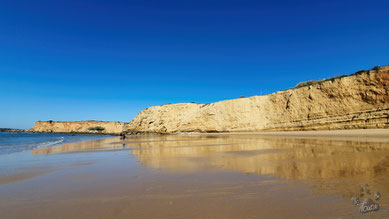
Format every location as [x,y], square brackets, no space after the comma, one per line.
[289,158]
[286,158]
[325,165]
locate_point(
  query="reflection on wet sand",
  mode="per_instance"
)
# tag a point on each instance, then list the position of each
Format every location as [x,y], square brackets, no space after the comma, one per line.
[326,166]
[282,157]
[77,146]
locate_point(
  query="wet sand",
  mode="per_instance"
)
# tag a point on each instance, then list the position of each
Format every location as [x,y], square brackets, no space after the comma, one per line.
[242,175]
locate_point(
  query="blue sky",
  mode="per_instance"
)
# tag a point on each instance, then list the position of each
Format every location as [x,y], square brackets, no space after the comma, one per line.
[108,60]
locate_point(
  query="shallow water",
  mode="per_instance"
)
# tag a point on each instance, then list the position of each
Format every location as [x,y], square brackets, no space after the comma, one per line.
[15,142]
[199,176]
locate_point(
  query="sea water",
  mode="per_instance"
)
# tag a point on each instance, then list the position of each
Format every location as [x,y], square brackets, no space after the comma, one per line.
[15,142]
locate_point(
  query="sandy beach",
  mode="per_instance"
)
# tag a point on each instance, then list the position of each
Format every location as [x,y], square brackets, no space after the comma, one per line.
[229,175]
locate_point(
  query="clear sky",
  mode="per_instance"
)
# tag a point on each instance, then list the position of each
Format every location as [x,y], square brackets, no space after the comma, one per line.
[108,60]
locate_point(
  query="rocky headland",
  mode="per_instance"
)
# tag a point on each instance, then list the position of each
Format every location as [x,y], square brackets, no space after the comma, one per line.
[11,130]
[86,127]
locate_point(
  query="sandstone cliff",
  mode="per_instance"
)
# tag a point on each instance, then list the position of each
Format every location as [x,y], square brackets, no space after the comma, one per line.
[92,127]
[357,101]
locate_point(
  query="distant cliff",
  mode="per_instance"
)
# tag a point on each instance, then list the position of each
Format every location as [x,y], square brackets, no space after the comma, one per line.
[91,127]
[11,130]
[357,101]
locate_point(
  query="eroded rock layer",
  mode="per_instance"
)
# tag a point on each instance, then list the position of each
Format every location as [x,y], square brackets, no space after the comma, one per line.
[92,127]
[353,102]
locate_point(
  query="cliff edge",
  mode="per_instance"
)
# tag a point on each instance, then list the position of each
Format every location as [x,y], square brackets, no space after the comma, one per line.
[357,101]
[87,127]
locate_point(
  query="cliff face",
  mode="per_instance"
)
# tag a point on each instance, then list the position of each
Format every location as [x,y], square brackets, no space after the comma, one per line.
[93,127]
[356,101]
